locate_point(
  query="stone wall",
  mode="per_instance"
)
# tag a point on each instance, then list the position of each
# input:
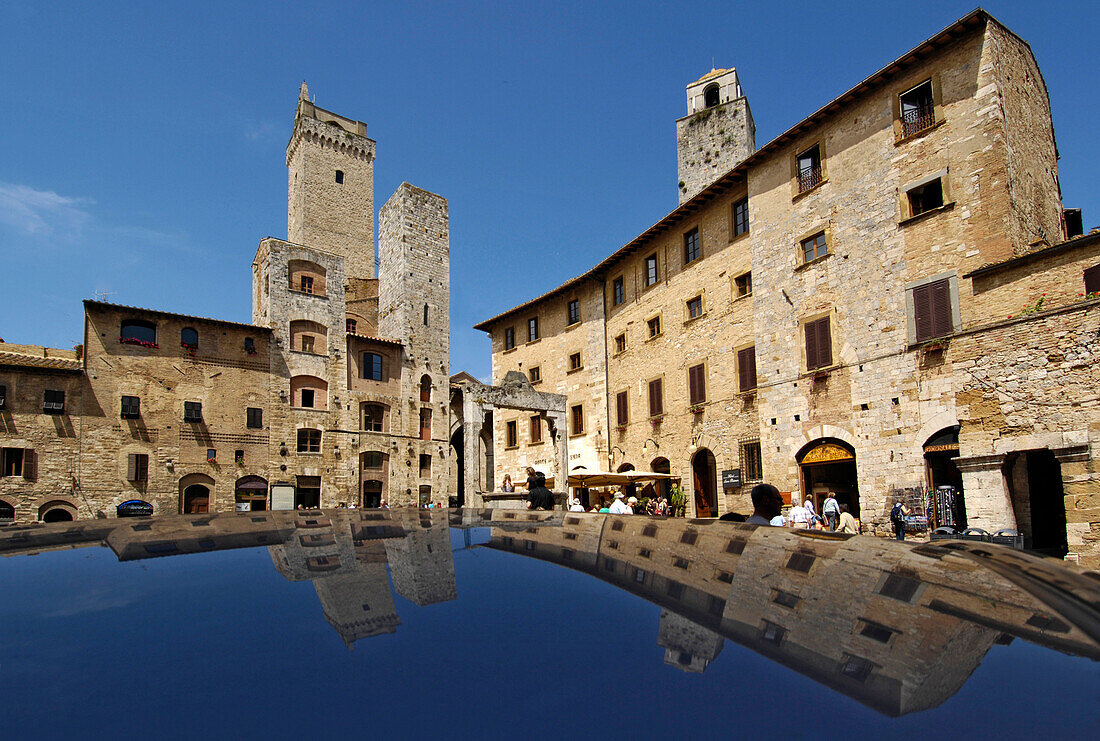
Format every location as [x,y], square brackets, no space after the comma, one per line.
[712,142]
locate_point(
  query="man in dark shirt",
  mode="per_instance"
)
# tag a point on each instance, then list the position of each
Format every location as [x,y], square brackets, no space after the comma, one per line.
[539,497]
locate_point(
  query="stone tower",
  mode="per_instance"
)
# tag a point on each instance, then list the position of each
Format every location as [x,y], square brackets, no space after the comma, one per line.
[331,186]
[717,133]
[414,304]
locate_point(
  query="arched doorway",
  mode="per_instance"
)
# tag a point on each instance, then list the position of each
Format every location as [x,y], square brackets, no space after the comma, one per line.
[829,465]
[196,499]
[458,470]
[7,512]
[57,512]
[661,465]
[630,490]
[703,479]
[250,494]
[944,480]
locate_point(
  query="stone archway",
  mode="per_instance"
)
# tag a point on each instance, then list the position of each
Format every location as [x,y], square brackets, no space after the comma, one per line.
[704,483]
[57,511]
[196,494]
[829,465]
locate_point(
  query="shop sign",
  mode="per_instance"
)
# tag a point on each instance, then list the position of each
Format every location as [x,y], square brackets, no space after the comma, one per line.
[731,478]
[134,508]
[827,453]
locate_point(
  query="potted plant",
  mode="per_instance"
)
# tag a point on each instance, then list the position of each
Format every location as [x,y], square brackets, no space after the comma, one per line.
[677,501]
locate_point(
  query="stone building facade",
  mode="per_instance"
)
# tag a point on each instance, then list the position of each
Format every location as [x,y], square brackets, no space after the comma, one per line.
[869,304]
[337,392]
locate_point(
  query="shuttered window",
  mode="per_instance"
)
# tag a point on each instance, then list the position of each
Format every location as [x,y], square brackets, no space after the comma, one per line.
[536,429]
[932,310]
[819,344]
[131,407]
[30,464]
[746,368]
[622,410]
[509,338]
[1092,279]
[425,424]
[656,398]
[576,414]
[137,467]
[510,434]
[697,384]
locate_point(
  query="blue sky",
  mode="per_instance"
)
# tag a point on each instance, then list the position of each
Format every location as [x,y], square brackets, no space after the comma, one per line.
[143,144]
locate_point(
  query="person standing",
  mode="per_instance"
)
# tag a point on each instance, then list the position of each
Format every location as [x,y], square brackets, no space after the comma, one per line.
[897,517]
[831,510]
[799,516]
[539,497]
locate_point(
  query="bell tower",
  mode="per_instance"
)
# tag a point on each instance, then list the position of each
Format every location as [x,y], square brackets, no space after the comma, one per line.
[330,197]
[716,135]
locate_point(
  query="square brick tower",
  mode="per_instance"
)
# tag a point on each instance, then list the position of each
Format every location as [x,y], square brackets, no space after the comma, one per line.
[717,134]
[331,189]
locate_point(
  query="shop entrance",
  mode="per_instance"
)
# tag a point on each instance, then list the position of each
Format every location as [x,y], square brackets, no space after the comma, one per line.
[250,494]
[196,500]
[372,494]
[829,465]
[664,486]
[1048,504]
[944,480]
[703,480]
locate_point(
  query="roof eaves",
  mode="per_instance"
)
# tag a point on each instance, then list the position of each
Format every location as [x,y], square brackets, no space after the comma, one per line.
[1082,241]
[91,302]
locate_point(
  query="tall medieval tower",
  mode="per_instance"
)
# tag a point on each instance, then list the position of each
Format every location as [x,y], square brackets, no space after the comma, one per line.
[330,203]
[717,134]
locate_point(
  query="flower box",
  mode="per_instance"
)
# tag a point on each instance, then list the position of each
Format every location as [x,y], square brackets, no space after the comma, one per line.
[136,341]
[697,408]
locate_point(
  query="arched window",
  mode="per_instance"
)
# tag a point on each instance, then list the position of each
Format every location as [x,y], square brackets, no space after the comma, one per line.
[374,417]
[425,387]
[340,177]
[309,392]
[306,277]
[138,332]
[710,95]
[189,338]
[7,512]
[373,366]
[309,440]
[310,337]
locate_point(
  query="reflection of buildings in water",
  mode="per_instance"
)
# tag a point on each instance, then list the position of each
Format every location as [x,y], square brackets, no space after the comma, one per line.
[421,563]
[688,646]
[897,628]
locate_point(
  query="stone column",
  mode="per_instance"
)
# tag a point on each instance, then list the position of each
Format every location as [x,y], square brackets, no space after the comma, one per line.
[556,422]
[988,503]
[473,419]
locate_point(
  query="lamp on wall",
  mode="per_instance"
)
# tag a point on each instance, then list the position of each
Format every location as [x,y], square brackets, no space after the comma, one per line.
[656,445]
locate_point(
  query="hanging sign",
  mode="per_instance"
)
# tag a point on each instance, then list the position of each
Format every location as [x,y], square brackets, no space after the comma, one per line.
[731,478]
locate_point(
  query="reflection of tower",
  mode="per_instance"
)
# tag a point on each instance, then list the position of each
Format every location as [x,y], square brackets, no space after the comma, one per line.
[421,563]
[688,646]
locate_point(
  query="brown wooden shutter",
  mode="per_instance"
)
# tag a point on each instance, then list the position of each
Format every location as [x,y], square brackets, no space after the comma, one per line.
[1092,279]
[30,465]
[746,368]
[656,403]
[621,408]
[941,308]
[824,343]
[922,312]
[811,346]
[131,467]
[697,385]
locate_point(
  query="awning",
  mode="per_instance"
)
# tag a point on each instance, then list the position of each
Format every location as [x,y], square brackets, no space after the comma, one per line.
[253,485]
[606,478]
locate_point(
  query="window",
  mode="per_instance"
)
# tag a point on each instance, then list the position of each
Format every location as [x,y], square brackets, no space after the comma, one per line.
[372,366]
[654,326]
[19,462]
[351,324]
[137,467]
[1092,280]
[425,466]
[425,388]
[691,247]
[575,361]
[309,441]
[681,563]
[622,410]
[307,284]
[639,576]
[926,197]
[689,537]
[675,590]
[536,429]
[651,270]
[773,633]
[710,95]
[532,329]
[736,546]
[932,310]
[856,668]
[254,418]
[238,457]
[809,169]
[372,460]
[131,407]
[695,307]
[576,417]
[3,397]
[746,369]
[801,562]
[307,343]
[509,338]
[786,599]
[372,417]
[656,400]
[751,468]
[620,343]
[741,217]
[743,284]
[138,332]
[574,311]
[192,411]
[308,398]
[899,587]
[425,424]
[339,177]
[814,247]
[189,338]
[617,525]
[819,344]
[425,315]
[53,402]
[535,374]
[918,110]
[250,345]
[618,294]
[697,384]
[510,434]
[876,632]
